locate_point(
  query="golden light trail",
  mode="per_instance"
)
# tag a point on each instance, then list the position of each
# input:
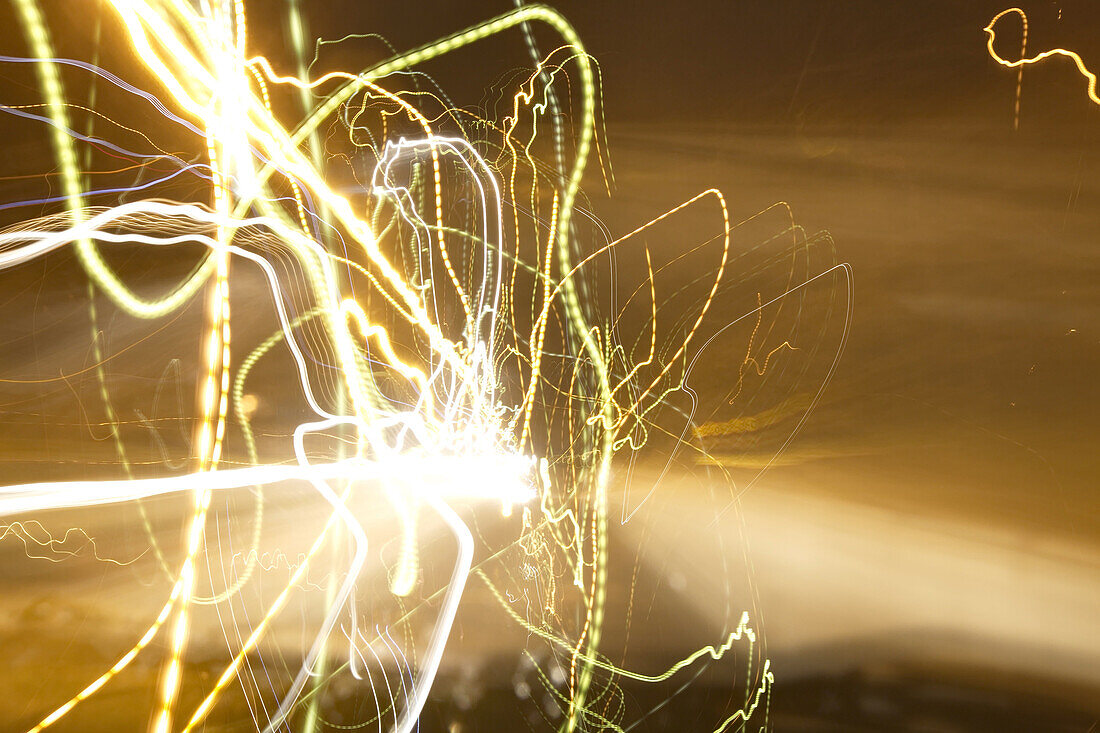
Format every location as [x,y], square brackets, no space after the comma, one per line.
[1025,61]
[436,323]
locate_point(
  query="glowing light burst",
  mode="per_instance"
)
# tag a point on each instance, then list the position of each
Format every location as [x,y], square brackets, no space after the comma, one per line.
[439,316]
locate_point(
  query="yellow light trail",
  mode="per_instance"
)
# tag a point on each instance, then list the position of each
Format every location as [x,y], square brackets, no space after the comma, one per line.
[452,355]
[1025,61]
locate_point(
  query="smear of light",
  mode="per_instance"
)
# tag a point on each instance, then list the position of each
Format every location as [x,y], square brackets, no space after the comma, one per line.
[454,357]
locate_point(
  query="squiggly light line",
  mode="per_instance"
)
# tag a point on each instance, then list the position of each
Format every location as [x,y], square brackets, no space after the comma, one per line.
[1027,61]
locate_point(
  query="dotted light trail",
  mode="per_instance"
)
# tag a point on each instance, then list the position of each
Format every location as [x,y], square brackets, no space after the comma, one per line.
[1024,60]
[437,285]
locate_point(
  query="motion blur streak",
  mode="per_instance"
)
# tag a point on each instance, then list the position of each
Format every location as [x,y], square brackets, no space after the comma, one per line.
[443,319]
[1023,61]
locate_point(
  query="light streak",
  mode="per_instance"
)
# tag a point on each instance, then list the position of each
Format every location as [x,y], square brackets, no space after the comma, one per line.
[451,355]
[1023,61]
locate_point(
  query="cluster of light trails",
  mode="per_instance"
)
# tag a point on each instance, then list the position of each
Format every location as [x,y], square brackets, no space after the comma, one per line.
[441,313]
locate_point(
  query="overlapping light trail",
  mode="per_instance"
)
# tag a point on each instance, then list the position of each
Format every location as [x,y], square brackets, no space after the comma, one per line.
[438,325]
[1025,60]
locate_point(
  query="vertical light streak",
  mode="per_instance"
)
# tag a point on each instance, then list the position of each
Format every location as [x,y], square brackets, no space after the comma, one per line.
[228,155]
[1020,73]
